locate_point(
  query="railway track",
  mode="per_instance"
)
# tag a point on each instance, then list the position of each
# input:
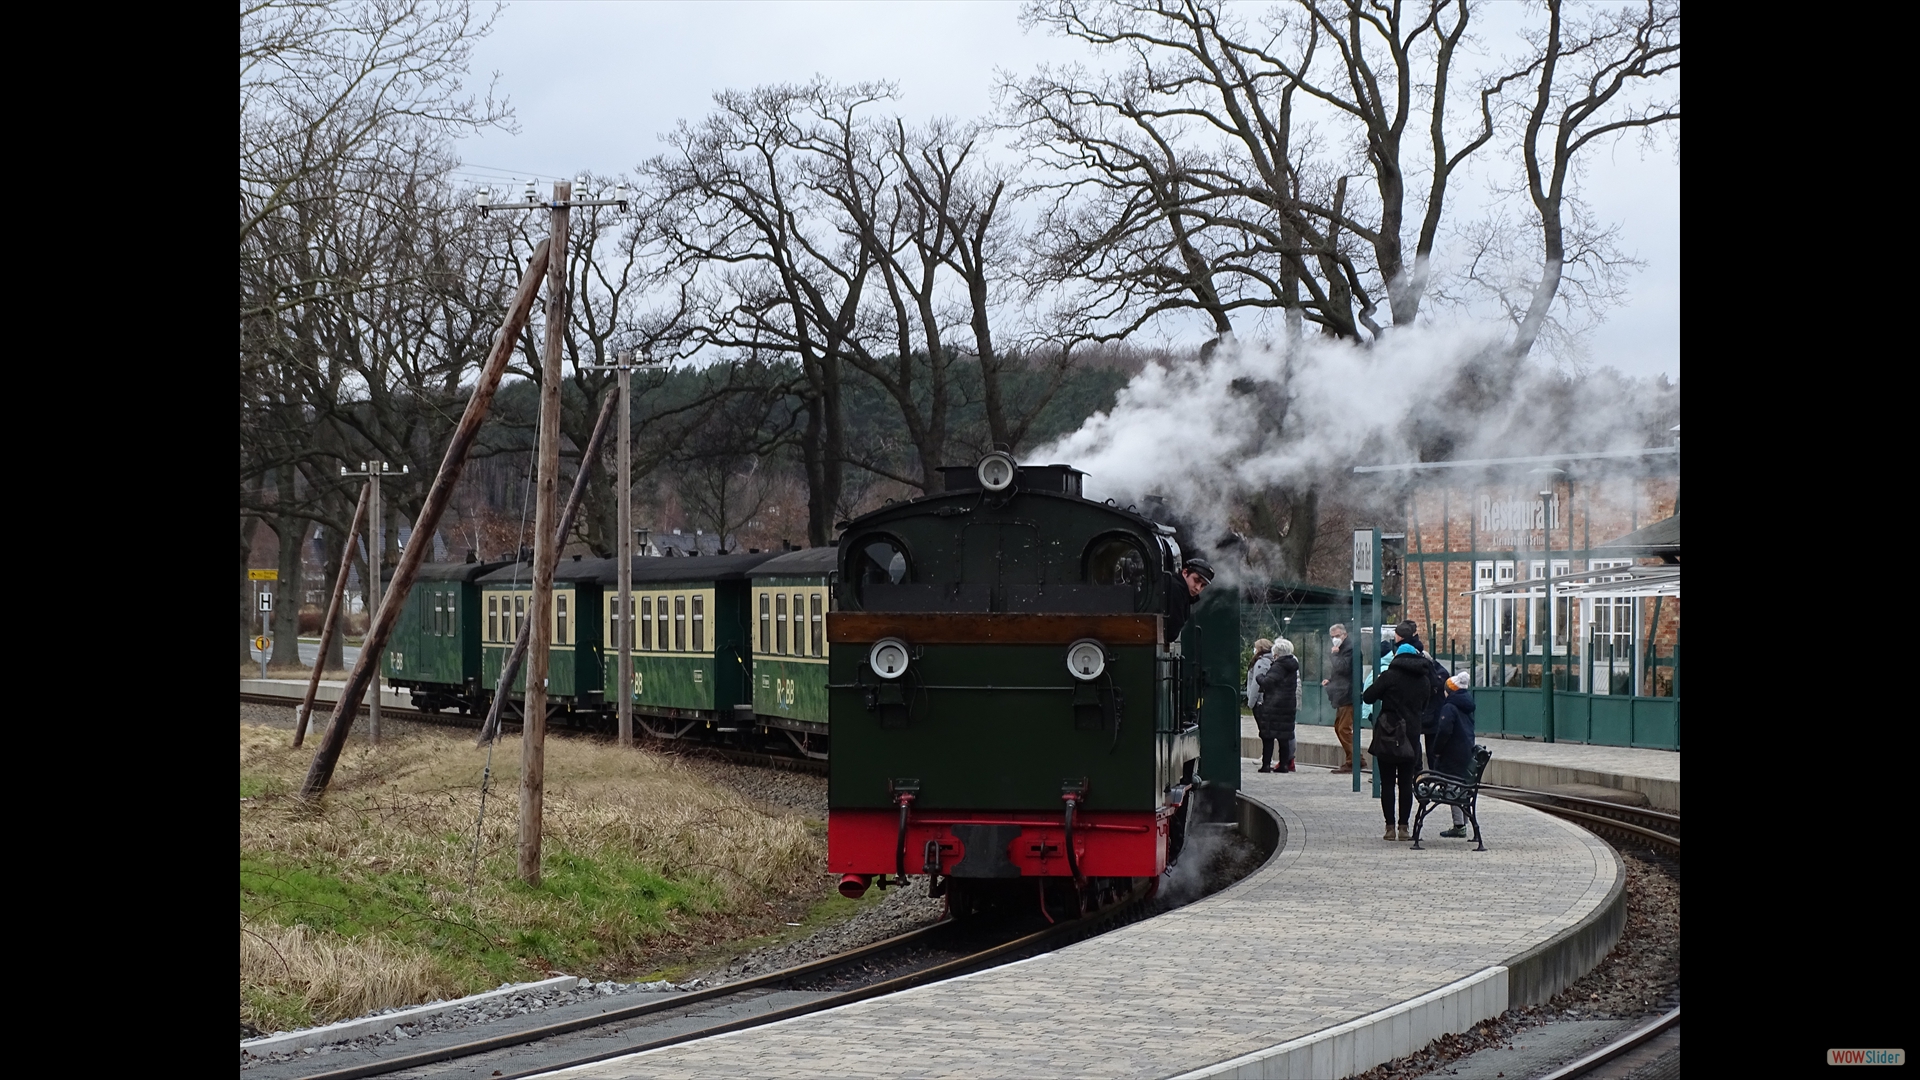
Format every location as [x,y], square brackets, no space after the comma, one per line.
[763,759]
[1633,827]
[940,951]
[1624,826]
[1613,821]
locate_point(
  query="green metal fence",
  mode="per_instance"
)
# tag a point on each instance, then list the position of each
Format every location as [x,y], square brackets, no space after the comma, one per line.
[1597,697]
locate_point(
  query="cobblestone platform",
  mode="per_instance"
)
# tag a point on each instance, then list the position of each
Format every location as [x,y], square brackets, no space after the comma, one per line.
[1342,952]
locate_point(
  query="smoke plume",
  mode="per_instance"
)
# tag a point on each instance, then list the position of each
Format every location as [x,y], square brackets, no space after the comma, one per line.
[1207,433]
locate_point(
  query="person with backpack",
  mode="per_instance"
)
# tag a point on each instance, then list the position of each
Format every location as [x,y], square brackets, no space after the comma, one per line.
[1402,693]
[1279,705]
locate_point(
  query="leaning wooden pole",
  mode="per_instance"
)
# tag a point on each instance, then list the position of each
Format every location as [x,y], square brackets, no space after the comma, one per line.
[512,667]
[533,722]
[328,630]
[320,773]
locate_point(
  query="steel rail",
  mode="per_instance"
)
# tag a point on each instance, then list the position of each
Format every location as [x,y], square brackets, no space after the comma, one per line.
[879,989]
[564,1027]
[1632,1040]
[888,986]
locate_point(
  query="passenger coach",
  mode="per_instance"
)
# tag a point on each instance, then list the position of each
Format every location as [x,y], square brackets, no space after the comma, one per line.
[692,656]
[792,595]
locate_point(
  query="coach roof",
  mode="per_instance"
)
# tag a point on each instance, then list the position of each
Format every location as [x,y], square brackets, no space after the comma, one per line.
[662,570]
[807,562]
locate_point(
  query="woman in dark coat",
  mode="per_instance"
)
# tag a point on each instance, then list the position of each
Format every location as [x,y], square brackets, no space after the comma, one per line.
[1279,704]
[1402,692]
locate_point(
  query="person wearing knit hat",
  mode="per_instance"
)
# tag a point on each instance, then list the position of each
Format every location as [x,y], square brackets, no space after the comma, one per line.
[1453,741]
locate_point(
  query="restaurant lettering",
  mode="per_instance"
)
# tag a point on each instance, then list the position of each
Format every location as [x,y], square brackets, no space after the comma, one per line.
[1516,515]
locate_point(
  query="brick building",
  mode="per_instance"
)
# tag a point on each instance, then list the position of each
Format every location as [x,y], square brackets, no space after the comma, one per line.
[1482,538]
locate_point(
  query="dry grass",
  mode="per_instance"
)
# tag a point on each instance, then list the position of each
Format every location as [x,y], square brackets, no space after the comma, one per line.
[374,898]
[290,967]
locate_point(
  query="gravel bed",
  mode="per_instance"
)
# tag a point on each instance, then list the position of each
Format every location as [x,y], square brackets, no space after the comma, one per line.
[902,910]
[1639,979]
[784,789]
[467,1016]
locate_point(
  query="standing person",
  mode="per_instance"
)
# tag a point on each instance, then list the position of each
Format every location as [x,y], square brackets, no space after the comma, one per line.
[1402,692]
[1339,685]
[1437,675]
[1280,703]
[1262,658]
[1452,752]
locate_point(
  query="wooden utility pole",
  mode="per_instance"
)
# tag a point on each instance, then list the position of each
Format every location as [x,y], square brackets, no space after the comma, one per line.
[328,629]
[380,628]
[625,620]
[533,725]
[519,654]
[376,551]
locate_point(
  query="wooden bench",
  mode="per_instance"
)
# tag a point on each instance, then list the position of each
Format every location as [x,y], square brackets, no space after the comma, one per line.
[1438,789]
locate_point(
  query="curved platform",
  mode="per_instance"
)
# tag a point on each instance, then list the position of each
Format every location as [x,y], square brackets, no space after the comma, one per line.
[1344,951]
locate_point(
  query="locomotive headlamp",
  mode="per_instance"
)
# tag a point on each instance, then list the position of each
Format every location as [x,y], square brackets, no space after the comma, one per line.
[1086,659]
[888,658]
[995,471]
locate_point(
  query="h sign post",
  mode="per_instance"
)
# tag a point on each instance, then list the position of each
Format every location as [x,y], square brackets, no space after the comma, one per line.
[1366,556]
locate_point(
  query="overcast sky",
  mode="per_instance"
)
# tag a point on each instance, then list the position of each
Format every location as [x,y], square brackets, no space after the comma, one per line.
[594,85]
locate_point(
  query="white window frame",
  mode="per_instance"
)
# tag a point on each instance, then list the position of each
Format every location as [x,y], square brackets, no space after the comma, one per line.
[1590,608]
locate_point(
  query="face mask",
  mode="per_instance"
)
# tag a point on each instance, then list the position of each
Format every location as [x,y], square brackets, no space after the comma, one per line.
[1336,642]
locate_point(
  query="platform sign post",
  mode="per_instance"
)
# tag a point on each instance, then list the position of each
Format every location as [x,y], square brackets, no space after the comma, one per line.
[266,627]
[1546,666]
[1366,556]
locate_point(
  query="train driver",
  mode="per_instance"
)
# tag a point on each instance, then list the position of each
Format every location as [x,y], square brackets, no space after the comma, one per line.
[1195,575]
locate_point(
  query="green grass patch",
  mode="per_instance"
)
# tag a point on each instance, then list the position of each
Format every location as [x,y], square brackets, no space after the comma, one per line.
[375,897]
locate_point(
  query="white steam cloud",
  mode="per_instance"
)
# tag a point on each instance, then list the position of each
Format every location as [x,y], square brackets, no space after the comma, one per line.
[1206,434]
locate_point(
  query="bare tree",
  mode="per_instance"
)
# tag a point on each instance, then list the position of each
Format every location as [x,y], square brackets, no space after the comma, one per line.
[1597,76]
[741,196]
[333,90]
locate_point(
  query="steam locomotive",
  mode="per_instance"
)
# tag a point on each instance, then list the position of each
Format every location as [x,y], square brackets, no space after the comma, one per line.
[1010,718]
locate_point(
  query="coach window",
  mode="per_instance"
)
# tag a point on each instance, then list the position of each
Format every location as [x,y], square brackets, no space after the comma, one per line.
[559,620]
[519,614]
[646,623]
[661,612]
[766,622]
[614,629]
[680,624]
[699,624]
[819,638]
[452,620]
[493,618]
[780,623]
